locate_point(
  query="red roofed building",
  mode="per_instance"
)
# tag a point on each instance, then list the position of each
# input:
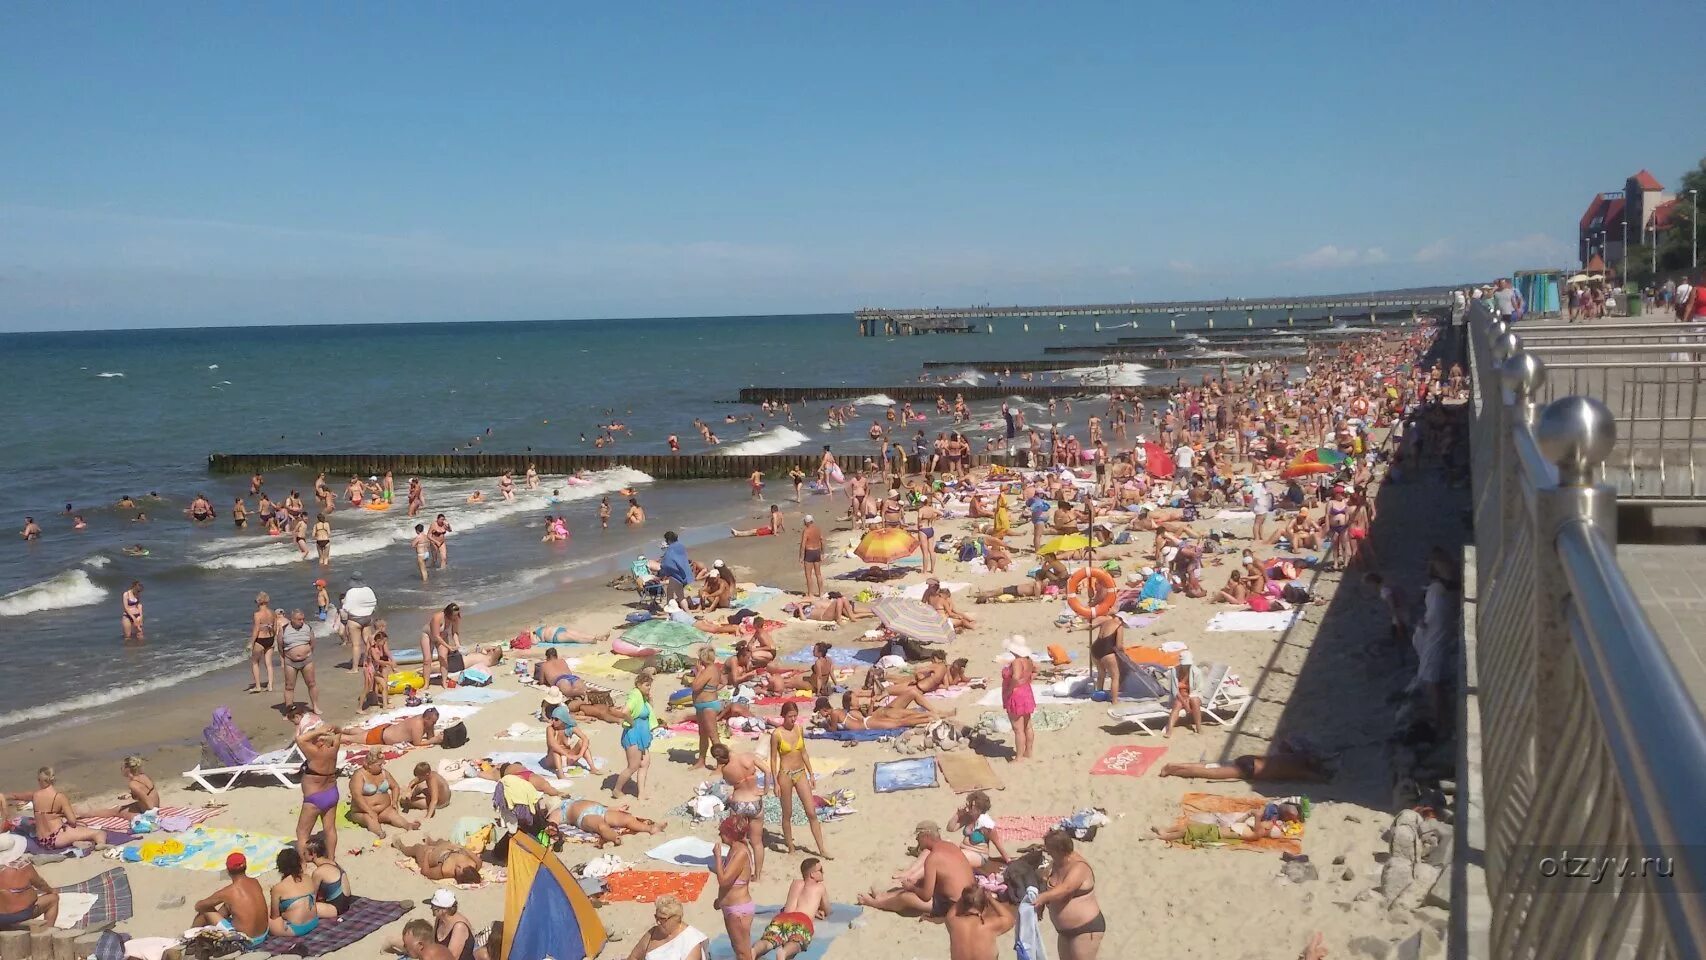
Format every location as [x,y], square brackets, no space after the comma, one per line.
[1613,217]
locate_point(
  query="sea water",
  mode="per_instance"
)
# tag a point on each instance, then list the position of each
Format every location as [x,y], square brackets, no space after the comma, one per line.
[90,417]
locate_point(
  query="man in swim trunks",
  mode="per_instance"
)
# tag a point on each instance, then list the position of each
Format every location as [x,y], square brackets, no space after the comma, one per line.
[296,655]
[790,934]
[416,731]
[811,556]
[239,907]
[947,872]
[554,672]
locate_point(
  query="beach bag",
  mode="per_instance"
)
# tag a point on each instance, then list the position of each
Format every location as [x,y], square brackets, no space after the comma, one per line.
[1296,593]
[522,641]
[455,735]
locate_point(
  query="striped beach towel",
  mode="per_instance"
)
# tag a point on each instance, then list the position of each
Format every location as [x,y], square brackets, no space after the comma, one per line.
[168,816]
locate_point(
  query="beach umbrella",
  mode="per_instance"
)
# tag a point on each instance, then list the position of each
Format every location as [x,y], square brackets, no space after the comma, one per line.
[1072,541]
[886,544]
[913,618]
[1327,455]
[1304,468]
[665,634]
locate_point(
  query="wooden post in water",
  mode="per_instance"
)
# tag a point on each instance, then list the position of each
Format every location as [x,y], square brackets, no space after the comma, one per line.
[1289,319]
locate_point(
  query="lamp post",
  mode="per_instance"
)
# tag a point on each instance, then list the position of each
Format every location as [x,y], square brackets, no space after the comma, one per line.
[1694,222]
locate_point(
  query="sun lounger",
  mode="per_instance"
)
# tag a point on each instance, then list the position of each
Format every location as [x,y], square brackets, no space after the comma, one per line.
[1222,703]
[228,756]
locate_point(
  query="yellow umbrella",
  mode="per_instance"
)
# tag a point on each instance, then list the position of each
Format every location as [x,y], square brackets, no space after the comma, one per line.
[1072,541]
[886,544]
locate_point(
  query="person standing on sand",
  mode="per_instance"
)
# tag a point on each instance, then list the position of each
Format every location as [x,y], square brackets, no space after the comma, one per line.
[261,639]
[1017,698]
[441,642]
[733,872]
[811,556]
[296,656]
[636,736]
[1071,900]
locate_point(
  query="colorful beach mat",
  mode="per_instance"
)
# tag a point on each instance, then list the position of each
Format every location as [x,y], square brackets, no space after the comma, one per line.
[169,816]
[645,886]
[363,918]
[840,656]
[1193,806]
[1026,828]
[914,773]
[205,848]
[1127,760]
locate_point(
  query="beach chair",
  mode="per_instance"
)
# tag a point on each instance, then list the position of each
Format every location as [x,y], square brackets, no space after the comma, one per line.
[228,755]
[646,583]
[1149,715]
[1223,701]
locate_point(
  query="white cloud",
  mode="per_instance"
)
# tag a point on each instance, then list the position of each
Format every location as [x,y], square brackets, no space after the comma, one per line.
[1433,252]
[1331,257]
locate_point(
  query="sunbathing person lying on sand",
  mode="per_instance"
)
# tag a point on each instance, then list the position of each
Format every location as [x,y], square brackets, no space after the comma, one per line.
[883,718]
[609,824]
[578,709]
[484,658]
[441,859]
[485,769]
[374,796]
[831,609]
[427,791]
[941,599]
[1289,761]
[415,731]
[1249,825]
[555,672]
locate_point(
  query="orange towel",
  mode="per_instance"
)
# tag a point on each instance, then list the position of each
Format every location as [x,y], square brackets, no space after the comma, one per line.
[1155,655]
[1214,803]
[1057,655]
[645,886]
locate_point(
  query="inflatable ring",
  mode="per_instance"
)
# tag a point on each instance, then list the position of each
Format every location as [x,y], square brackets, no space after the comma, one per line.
[1083,609]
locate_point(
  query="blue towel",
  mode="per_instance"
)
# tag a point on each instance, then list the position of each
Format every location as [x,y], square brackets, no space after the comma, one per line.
[853,736]
[914,773]
[473,695]
[824,931]
[840,656]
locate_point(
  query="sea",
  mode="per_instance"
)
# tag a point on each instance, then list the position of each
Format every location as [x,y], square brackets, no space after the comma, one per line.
[90,417]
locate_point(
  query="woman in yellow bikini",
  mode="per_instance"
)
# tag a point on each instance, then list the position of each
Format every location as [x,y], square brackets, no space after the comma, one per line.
[791,776]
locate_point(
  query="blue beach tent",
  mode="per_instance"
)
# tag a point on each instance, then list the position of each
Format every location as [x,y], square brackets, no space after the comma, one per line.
[546,914]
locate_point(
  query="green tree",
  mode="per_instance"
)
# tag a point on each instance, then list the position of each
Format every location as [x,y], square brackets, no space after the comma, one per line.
[1676,246]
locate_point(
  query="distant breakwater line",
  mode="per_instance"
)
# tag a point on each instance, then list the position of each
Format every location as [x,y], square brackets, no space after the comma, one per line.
[661,466]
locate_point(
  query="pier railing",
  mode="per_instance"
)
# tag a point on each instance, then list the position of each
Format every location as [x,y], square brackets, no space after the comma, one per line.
[1592,755]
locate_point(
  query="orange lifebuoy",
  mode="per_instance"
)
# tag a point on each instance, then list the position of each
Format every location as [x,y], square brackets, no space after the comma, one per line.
[1078,606]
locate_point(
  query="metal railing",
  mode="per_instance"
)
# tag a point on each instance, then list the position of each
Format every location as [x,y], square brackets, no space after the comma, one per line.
[1590,745]
[1654,376]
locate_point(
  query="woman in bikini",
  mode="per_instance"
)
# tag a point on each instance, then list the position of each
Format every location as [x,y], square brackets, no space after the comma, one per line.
[319,746]
[142,794]
[746,800]
[441,860]
[734,877]
[607,824]
[131,612]
[707,701]
[374,795]
[565,747]
[295,910]
[56,823]
[331,883]
[791,776]
[261,636]
[1338,530]
[24,894]
[1071,901]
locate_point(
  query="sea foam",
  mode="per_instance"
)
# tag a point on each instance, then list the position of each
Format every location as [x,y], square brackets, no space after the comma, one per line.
[73,588]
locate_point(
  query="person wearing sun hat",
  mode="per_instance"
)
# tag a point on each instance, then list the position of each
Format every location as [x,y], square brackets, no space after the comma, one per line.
[1017,698]
[24,895]
[453,931]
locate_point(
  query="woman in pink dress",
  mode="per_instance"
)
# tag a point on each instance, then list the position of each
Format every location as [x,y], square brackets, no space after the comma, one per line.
[1016,696]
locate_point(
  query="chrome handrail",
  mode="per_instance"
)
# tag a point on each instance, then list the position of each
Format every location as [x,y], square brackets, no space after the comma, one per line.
[1591,746]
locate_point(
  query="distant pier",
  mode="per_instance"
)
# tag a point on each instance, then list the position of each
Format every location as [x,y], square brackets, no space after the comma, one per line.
[878,321]
[928,392]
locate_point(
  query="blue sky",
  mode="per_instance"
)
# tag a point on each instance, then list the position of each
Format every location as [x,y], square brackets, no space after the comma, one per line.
[196,164]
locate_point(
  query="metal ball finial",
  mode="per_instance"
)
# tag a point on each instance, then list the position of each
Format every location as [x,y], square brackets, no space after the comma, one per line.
[1506,345]
[1497,329]
[1577,434]
[1522,373]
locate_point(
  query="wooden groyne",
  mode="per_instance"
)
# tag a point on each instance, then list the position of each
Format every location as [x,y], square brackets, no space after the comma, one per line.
[661,466]
[928,392]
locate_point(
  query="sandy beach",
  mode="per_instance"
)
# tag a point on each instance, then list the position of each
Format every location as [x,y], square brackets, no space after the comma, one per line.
[1331,675]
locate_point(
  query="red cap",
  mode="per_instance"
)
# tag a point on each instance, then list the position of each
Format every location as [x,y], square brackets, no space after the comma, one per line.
[235,862]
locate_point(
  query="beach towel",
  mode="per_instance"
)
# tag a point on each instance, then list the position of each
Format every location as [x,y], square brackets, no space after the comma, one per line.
[916,591]
[914,773]
[646,886]
[1235,515]
[168,817]
[856,736]
[966,771]
[824,932]
[1138,621]
[840,656]
[683,852]
[472,695]
[607,665]
[490,873]
[1249,621]
[1152,655]
[1201,803]
[1026,828]
[205,848]
[363,918]
[448,713]
[755,596]
[111,890]
[1127,760]
[1043,694]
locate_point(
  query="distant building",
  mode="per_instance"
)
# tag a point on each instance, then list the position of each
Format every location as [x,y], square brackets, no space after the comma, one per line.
[1640,207]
